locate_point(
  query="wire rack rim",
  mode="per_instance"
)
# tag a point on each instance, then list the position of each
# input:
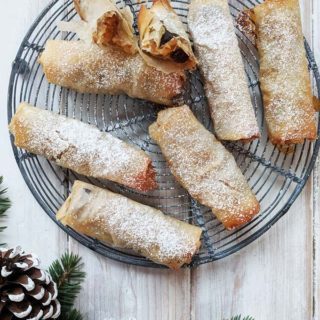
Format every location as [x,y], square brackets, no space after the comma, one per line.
[135,260]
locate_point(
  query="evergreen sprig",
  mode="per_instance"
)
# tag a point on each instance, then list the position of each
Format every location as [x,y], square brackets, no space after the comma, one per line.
[73,315]
[5,203]
[239,317]
[67,273]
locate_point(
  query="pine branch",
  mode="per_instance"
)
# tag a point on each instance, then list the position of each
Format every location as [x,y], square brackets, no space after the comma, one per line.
[5,203]
[239,317]
[73,315]
[67,274]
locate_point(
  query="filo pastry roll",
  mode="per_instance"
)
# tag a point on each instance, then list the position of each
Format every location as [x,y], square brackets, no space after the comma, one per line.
[284,76]
[106,24]
[126,224]
[221,65]
[87,68]
[204,167]
[81,147]
[163,36]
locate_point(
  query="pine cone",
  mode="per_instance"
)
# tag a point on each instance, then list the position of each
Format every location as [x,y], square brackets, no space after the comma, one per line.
[26,291]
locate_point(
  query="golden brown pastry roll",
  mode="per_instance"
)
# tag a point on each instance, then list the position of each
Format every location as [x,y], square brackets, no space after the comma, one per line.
[126,224]
[107,24]
[204,167]
[87,68]
[220,61]
[284,75]
[81,147]
[162,35]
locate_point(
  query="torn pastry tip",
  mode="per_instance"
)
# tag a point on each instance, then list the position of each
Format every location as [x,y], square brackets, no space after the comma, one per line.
[112,29]
[106,24]
[246,25]
[76,4]
[164,66]
[242,218]
[141,15]
[146,181]
[292,139]
[253,137]
[164,39]
[165,3]
[316,103]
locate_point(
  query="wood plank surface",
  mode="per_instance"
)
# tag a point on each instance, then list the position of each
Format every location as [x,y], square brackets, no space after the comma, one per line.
[276,277]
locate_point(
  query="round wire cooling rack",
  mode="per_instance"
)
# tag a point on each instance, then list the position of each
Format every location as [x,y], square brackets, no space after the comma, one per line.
[275,177]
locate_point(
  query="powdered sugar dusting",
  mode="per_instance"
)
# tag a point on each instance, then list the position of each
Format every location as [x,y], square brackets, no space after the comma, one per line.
[221,64]
[203,166]
[79,146]
[132,225]
[284,74]
[89,68]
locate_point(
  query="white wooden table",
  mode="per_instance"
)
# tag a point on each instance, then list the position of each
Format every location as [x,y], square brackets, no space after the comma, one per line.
[277,277]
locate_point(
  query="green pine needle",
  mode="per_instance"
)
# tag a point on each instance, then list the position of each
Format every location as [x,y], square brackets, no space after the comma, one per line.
[239,317]
[73,315]
[5,203]
[66,273]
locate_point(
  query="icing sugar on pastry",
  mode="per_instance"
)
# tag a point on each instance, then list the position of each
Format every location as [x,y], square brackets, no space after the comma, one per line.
[124,223]
[284,75]
[108,70]
[203,166]
[81,147]
[147,231]
[222,67]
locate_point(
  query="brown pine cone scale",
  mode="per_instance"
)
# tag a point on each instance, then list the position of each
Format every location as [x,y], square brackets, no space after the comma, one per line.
[26,291]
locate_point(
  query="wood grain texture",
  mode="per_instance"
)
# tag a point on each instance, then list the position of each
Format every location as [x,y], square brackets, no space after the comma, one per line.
[275,277]
[265,278]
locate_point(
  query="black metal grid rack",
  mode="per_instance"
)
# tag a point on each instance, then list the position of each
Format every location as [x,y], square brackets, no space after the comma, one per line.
[276,178]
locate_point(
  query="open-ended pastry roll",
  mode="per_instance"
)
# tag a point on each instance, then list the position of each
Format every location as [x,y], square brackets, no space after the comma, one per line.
[284,75]
[220,61]
[87,68]
[107,24]
[162,35]
[81,147]
[124,223]
[203,166]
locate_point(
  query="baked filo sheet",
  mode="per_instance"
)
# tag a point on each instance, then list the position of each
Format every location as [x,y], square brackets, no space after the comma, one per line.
[284,77]
[126,224]
[81,147]
[222,68]
[106,24]
[89,68]
[163,36]
[204,167]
